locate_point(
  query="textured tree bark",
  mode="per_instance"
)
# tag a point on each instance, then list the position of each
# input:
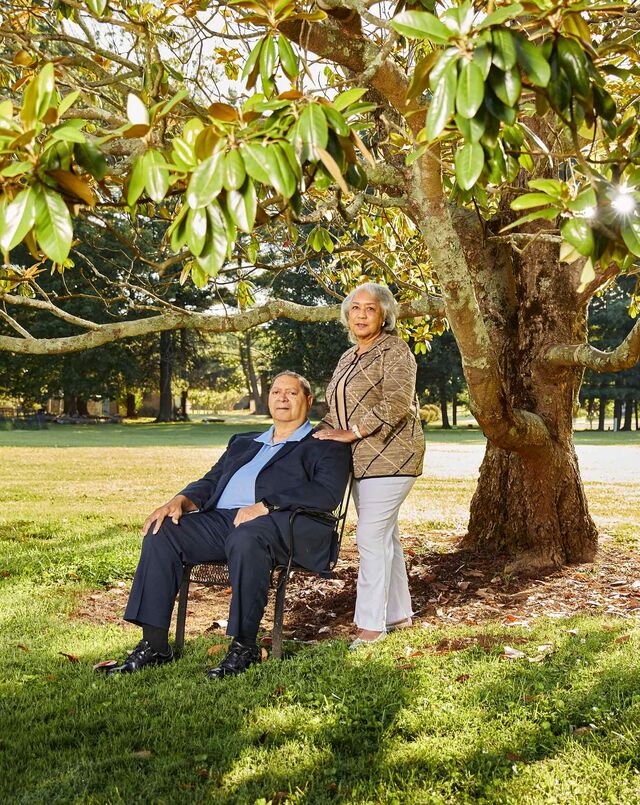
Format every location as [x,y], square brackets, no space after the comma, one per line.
[454,411]
[530,501]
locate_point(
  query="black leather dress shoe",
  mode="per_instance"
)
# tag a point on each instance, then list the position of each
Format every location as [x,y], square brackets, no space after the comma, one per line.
[238,659]
[143,656]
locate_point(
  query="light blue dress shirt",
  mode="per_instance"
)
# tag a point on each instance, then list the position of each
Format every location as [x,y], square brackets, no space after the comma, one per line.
[241,489]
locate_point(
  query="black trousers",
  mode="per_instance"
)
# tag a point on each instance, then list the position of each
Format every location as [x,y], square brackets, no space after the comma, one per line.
[251,551]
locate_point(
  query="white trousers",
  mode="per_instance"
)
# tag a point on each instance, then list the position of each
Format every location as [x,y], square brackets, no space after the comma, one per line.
[383,588]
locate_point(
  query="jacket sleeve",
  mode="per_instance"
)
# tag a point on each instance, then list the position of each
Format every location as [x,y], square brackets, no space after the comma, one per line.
[200,491]
[398,392]
[325,487]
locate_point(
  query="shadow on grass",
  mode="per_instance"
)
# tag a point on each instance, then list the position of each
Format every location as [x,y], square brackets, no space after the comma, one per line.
[324,726]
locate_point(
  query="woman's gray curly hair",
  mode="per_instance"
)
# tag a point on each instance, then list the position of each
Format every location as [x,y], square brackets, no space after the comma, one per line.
[385,300]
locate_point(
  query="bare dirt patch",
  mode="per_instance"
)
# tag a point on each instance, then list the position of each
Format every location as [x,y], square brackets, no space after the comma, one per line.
[449,586]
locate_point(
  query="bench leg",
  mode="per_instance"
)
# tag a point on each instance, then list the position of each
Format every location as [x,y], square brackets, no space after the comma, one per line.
[278,616]
[183,598]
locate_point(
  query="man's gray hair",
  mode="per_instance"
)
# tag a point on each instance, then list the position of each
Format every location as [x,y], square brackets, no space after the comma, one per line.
[385,300]
[304,383]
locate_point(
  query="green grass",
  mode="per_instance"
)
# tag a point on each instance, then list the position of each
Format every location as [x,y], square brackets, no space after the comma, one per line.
[399,723]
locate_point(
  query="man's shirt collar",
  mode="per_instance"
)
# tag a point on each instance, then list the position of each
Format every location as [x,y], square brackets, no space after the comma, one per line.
[296,436]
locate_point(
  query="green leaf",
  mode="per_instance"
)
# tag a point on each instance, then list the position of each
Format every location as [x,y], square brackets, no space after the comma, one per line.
[97,6]
[46,88]
[631,235]
[579,234]
[242,206]
[311,131]
[16,169]
[281,174]
[214,253]
[528,200]
[482,57]
[501,15]
[234,170]
[267,60]
[53,225]
[156,175]
[532,62]
[506,85]
[288,58]
[68,133]
[254,155]
[196,230]
[585,200]
[19,218]
[252,65]
[532,216]
[348,97]
[470,91]
[206,182]
[136,181]
[575,64]
[183,153]
[177,232]
[504,49]
[552,187]
[469,162]
[421,25]
[443,103]
[67,102]
[91,158]
[459,18]
[336,121]
[471,128]
[604,104]
[436,74]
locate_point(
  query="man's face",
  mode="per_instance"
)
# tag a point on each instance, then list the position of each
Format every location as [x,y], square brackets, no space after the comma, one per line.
[287,401]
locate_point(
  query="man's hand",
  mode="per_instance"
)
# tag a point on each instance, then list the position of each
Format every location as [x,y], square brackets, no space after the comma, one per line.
[250,513]
[174,509]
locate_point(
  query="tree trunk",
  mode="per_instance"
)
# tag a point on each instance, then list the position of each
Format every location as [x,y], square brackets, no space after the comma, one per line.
[254,391]
[530,502]
[264,391]
[443,407]
[617,414]
[131,406]
[590,402]
[602,413]
[454,411]
[628,414]
[166,414]
[635,406]
[184,395]
[81,406]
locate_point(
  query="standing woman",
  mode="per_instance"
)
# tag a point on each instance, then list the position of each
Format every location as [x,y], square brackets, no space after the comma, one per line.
[373,405]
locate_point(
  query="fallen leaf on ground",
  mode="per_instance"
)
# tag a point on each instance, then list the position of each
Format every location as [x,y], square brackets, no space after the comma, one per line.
[215,649]
[70,657]
[144,753]
[622,639]
[463,678]
[582,730]
[219,624]
[513,653]
[102,666]
[264,654]
[22,647]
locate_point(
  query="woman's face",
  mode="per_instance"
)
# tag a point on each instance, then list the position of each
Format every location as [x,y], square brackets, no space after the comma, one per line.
[365,316]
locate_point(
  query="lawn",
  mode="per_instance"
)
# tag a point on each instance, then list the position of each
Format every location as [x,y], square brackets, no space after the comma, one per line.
[435,714]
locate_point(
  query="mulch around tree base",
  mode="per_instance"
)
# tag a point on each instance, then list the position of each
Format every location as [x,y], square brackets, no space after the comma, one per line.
[449,586]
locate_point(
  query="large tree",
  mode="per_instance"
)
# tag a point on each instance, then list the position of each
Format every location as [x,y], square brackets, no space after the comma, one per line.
[411,143]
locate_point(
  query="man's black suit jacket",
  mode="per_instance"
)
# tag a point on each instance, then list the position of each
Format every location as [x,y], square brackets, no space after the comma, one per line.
[312,473]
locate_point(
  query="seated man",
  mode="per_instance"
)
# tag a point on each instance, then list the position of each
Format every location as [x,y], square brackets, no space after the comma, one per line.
[241,510]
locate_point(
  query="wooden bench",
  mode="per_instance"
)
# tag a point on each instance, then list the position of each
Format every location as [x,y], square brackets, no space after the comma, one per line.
[215,574]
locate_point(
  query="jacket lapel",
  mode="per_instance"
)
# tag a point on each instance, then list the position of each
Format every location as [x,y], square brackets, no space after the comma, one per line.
[284,451]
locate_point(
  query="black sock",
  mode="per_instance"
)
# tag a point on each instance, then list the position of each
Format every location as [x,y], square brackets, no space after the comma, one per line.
[156,637]
[248,642]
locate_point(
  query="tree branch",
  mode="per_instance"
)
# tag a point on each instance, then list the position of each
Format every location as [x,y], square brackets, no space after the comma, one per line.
[626,355]
[237,322]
